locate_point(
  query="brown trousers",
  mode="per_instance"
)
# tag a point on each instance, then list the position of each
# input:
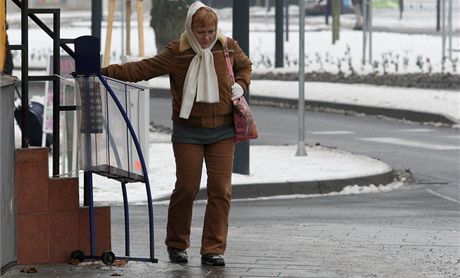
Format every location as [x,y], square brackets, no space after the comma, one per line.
[189,162]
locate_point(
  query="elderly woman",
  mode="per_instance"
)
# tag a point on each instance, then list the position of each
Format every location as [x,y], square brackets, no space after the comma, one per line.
[203,128]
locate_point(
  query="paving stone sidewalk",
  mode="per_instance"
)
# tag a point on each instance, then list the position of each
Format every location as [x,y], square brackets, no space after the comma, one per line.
[292,247]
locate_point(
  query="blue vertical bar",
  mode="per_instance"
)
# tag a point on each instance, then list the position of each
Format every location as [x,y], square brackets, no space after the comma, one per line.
[92,241]
[126,212]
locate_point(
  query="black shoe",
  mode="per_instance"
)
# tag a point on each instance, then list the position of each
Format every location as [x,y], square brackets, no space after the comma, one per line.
[212,259]
[177,255]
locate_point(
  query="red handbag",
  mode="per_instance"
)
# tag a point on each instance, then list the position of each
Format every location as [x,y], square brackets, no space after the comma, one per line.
[243,119]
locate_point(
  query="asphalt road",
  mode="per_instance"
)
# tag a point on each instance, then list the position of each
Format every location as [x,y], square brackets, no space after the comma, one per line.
[431,153]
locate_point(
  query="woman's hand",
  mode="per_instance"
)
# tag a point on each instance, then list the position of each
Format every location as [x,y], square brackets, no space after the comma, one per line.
[237,91]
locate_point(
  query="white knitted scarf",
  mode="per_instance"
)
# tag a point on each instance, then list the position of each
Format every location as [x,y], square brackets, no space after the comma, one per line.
[201,78]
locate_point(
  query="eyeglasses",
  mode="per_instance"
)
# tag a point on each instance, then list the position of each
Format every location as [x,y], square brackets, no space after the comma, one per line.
[202,34]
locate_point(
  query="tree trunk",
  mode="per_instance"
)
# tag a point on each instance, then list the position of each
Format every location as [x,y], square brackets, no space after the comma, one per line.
[167,20]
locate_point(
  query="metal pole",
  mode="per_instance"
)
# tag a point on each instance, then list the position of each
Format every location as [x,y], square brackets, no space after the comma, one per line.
[279,51]
[128,14]
[241,34]
[335,20]
[56,90]
[301,144]
[96,18]
[438,15]
[286,17]
[25,74]
[401,8]
[364,8]
[443,29]
[449,28]
[369,26]
[123,18]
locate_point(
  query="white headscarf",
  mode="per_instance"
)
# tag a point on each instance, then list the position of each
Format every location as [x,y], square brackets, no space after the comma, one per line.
[201,78]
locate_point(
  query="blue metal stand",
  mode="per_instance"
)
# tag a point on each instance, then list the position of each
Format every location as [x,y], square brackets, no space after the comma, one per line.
[87,64]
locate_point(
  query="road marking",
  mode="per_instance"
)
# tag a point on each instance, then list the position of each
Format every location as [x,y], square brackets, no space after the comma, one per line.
[411,143]
[332,132]
[417,130]
[443,196]
[453,136]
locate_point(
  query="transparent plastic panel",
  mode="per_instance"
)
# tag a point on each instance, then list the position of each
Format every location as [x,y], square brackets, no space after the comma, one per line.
[107,146]
[68,135]
[68,144]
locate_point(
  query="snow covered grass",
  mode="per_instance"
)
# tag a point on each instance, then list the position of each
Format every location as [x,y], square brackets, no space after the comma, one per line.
[395,53]
[343,58]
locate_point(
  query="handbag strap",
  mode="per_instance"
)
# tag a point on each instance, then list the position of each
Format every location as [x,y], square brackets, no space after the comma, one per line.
[229,64]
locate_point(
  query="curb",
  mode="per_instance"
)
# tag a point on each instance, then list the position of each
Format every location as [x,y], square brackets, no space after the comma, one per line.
[255,190]
[400,114]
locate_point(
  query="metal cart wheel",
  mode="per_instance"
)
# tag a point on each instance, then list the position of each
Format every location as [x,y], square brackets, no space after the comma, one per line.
[78,255]
[108,257]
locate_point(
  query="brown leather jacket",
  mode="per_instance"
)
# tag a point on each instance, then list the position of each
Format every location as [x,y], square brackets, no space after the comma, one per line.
[174,60]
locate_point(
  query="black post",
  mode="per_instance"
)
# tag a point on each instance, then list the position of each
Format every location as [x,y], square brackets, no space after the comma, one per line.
[241,34]
[401,8]
[286,19]
[279,43]
[56,89]
[25,74]
[438,15]
[96,18]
